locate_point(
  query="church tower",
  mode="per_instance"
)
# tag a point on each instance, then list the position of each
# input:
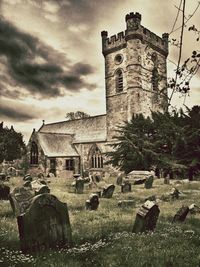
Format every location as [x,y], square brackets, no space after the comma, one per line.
[135,72]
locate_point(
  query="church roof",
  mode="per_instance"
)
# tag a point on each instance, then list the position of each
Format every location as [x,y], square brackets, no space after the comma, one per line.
[86,130]
[57,145]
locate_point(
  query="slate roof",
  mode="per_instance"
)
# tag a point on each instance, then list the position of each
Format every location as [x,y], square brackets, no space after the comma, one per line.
[86,130]
[57,145]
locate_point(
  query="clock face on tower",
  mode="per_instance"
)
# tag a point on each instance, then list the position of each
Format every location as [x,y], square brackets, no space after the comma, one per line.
[132,24]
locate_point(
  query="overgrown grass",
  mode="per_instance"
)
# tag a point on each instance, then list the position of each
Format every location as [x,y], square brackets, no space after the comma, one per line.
[104,237]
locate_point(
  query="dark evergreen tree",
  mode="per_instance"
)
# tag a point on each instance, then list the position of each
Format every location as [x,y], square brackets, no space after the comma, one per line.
[12,145]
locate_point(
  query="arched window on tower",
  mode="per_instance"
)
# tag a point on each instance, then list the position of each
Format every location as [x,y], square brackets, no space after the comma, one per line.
[119,80]
[34,153]
[96,159]
[155,79]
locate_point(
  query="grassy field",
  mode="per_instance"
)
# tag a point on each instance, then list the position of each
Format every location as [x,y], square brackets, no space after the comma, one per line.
[104,237]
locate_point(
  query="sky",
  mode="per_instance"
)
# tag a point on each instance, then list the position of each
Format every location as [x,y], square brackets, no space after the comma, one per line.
[51,61]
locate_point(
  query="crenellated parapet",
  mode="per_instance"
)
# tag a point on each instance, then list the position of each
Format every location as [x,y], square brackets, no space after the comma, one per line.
[134,30]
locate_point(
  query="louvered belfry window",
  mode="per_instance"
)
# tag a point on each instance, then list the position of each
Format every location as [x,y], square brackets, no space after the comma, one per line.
[119,81]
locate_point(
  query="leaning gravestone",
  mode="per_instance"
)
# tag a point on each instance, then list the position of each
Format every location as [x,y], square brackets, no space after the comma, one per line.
[108,191]
[44,225]
[79,186]
[149,182]
[126,187]
[20,199]
[4,191]
[92,203]
[39,188]
[181,214]
[146,217]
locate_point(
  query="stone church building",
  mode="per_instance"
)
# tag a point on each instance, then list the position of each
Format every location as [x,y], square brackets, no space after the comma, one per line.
[135,82]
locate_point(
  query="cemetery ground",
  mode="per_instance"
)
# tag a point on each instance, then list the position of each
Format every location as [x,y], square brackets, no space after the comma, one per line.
[104,237]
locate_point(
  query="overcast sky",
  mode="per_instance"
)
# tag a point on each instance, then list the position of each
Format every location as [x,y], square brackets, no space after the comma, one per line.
[50,54]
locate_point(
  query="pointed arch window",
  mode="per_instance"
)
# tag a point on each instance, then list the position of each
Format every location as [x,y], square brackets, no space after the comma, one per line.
[155,79]
[119,80]
[34,153]
[97,159]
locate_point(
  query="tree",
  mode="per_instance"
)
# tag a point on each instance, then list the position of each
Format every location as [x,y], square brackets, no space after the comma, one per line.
[12,145]
[167,141]
[76,115]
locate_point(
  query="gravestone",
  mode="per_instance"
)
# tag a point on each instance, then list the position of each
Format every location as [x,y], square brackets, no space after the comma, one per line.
[146,217]
[194,209]
[28,177]
[149,182]
[175,193]
[79,185]
[4,191]
[27,184]
[126,187]
[20,199]
[44,225]
[166,180]
[39,188]
[2,176]
[108,191]
[181,214]
[119,179]
[139,181]
[92,203]
[126,203]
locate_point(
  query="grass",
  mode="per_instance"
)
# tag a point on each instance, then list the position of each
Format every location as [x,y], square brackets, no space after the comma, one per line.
[104,237]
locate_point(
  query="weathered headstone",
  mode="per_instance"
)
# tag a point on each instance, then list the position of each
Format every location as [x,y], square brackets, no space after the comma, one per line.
[39,188]
[4,191]
[45,225]
[175,193]
[108,191]
[149,182]
[166,180]
[79,185]
[119,179]
[20,199]
[126,203]
[126,187]
[181,214]
[28,177]
[92,203]
[146,217]
[194,209]
[2,176]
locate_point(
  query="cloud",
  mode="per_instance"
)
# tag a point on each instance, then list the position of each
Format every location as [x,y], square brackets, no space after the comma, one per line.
[40,69]
[17,112]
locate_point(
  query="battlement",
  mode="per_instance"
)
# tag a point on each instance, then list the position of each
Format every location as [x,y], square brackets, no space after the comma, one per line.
[133,15]
[134,30]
